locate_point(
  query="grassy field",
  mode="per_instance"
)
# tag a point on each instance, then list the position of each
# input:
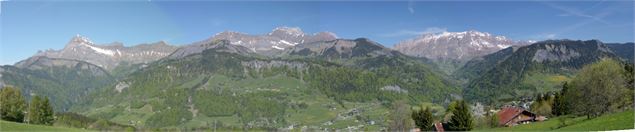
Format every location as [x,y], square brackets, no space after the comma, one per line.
[6,126]
[615,121]
[545,82]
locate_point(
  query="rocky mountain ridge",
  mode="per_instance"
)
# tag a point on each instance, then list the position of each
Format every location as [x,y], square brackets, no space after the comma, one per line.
[109,56]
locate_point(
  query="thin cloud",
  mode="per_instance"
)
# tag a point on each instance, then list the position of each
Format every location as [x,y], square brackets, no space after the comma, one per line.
[546,36]
[415,33]
[411,8]
[575,12]
[599,17]
[216,22]
[595,5]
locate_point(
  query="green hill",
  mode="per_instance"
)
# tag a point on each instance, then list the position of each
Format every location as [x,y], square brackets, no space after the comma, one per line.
[64,81]
[536,68]
[6,126]
[614,121]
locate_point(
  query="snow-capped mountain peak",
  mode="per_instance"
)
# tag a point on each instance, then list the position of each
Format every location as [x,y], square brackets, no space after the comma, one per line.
[455,45]
[110,55]
[79,39]
[474,38]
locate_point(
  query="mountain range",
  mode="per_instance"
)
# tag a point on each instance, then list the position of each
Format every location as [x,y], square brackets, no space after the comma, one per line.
[452,49]
[109,56]
[288,78]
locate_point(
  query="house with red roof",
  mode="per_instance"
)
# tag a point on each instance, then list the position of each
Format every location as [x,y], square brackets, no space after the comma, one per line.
[511,116]
[439,127]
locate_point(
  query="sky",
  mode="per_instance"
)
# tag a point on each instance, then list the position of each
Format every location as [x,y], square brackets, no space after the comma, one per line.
[29,26]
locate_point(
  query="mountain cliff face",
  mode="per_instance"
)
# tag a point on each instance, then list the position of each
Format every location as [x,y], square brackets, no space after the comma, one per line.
[109,56]
[341,49]
[452,49]
[536,68]
[218,45]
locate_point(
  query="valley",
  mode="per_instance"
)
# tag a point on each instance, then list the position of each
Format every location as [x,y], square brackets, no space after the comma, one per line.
[325,85]
[340,66]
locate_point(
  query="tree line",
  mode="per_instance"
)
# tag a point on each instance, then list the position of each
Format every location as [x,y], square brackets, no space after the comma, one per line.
[459,112]
[13,107]
[599,88]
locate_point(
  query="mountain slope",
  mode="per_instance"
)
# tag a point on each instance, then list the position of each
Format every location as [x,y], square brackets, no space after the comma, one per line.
[626,51]
[404,72]
[244,90]
[219,45]
[109,56]
[64,81]
[479,65]
[539,67]
[272,43]
[341,50]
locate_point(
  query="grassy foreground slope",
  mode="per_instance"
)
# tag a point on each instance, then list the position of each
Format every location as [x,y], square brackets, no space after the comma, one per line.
[615,121]
[6,126]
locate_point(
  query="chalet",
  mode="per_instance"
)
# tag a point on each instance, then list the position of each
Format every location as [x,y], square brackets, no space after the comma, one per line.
[511,116]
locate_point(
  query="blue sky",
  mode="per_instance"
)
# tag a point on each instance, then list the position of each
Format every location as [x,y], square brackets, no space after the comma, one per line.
[26,27]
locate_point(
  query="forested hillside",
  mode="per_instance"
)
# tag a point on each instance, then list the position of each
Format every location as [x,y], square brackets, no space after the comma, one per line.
[537,68]
[219,84]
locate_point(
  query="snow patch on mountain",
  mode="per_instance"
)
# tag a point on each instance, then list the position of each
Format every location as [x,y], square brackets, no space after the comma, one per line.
[286,42]
[276,47]
[102,51]
[502,46]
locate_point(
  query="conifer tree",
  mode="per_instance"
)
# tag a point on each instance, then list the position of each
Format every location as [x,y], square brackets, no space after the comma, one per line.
[33,115]
[40,111]
[559,107]
[423,118]
[461,119]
